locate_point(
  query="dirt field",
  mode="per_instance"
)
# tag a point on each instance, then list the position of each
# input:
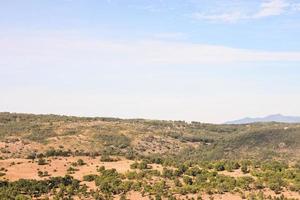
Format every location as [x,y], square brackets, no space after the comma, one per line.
[57,166]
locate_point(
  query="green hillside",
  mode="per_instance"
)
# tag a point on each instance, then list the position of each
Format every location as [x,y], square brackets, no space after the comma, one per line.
[140,137]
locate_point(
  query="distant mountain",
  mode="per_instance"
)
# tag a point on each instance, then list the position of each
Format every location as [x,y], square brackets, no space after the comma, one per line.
[270,118]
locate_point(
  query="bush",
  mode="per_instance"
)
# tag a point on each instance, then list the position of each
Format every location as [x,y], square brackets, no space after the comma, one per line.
[80,162]
[193,171]
[52,152]
[90,177]
[187,180]
[220,166]
[32,188]
[43,174]
[244,169]
[42,161]
[31,156]
[245,182]
[107,158]
[109,181]
[142,165]
[168,173]
[71,170]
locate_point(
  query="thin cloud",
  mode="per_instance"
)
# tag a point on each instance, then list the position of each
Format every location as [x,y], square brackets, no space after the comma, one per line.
[170,36]
[64,51]
[267,8]
[224,17]
[272,8]
[149,8]
[296,7]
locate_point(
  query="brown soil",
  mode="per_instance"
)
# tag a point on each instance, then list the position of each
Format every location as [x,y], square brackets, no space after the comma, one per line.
[23,168]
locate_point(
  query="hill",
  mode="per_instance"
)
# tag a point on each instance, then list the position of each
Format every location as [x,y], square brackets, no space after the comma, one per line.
[65,157]
[22,134]
[271,118]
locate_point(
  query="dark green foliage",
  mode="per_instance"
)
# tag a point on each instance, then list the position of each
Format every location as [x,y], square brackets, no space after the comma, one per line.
[13,190]
[109,182]
[220,166]
[90,177]
[141,165]
[107,158]
[120,141]
[53,152]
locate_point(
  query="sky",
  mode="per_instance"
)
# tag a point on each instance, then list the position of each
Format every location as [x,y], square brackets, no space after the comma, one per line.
[194,60]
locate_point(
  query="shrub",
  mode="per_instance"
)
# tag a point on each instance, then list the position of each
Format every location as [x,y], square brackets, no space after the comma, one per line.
[193,171]
[219,166]
[109,181]
[141,165]
[31,156]
[52,152]
[187,180]
[107,158]
[90,177]
[177,182]
[71,170]
[80,162]
[42,161]
[168,173]
[244,182]
[244,169]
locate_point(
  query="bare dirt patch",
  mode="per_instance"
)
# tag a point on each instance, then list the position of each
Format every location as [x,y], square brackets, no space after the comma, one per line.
[57,166]
[236,173]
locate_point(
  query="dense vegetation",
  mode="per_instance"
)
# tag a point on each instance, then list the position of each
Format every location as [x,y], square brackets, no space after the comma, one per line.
[60,187]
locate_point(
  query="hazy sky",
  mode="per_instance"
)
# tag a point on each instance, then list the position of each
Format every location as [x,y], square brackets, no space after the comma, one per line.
[201,60]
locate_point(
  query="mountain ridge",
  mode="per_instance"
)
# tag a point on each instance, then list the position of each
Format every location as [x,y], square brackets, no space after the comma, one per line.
[270,118]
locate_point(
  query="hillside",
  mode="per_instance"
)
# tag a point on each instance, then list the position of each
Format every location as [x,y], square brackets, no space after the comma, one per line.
[62,157]
[22,134]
